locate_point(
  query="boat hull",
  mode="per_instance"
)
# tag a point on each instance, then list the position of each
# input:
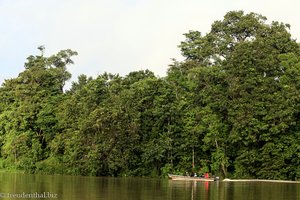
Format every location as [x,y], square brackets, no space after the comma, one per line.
[188,178]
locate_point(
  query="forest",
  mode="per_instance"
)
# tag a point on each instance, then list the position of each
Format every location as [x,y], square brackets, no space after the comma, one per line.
[233,103]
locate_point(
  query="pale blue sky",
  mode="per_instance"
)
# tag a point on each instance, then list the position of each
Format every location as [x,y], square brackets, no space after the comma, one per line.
[117,36]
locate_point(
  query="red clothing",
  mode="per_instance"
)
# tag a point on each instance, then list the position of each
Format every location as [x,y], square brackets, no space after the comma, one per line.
[206,175]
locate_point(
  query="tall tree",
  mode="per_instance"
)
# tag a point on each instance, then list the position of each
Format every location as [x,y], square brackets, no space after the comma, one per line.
[30,101]
[238,75]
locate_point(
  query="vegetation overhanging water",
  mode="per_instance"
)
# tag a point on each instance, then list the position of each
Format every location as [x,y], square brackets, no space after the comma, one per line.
[232,105]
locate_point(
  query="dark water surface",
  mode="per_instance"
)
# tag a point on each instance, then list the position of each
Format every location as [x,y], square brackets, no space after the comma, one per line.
[24,186]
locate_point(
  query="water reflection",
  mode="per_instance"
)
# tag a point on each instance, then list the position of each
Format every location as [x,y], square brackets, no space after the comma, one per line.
[193,190]
[89,188]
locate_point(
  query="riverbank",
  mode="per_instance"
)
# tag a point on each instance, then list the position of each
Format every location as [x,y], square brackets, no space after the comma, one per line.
[9,170]
[259,180]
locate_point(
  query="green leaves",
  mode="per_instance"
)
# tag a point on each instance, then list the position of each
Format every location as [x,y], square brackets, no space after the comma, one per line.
[30,105]
[231,108]
[244,90]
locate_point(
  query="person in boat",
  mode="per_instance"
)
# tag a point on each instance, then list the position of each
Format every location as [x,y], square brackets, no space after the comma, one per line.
[192,174]
[206,175]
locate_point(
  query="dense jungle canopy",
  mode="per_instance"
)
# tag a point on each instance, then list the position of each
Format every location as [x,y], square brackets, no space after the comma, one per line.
[234,102]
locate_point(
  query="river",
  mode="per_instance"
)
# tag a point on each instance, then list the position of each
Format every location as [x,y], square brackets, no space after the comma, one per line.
[26,186]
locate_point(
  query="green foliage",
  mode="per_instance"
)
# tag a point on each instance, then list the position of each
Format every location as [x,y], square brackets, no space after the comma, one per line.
[230,108]
[50,165]
[241,82]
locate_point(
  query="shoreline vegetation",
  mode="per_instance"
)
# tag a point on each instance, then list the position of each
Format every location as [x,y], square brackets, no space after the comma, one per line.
[231,108]
[220,180]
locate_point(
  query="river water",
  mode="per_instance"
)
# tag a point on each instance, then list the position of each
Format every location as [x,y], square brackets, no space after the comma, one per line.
[25,186]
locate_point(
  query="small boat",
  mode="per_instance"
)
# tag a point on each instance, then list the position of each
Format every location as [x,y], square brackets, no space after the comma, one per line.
[189,178]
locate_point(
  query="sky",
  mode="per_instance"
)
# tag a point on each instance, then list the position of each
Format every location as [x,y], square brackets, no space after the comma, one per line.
[117,36]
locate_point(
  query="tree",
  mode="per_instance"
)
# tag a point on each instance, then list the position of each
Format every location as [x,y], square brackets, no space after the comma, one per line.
[30,101]
[239,79]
